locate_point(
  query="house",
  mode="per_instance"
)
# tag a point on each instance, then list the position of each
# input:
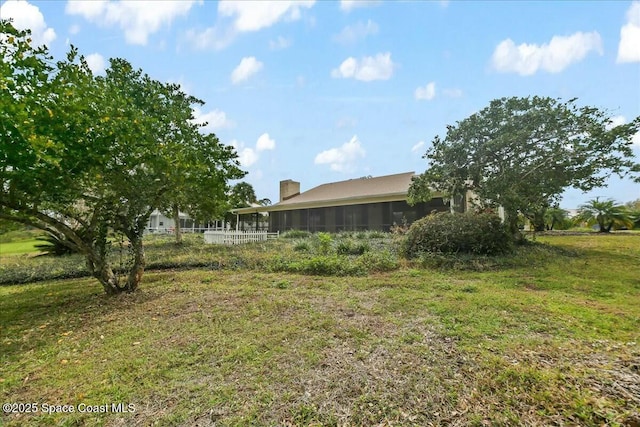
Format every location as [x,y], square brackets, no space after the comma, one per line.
[160,223]
[368,203]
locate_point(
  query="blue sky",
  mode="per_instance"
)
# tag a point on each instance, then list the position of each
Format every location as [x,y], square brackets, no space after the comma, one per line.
[331,90]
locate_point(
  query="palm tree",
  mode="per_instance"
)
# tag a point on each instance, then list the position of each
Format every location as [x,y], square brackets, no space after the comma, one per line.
[634,212]
[555,216]
[604,213]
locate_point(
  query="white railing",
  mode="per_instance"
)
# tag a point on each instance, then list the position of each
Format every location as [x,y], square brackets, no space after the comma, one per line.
[232,237]
[172,230]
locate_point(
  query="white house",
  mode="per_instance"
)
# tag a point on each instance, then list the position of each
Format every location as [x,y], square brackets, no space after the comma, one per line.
[160,223]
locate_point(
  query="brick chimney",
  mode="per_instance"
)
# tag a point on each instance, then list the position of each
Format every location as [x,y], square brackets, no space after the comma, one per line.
[288,189]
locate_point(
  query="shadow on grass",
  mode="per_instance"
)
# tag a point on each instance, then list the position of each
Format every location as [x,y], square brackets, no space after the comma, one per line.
[33,318]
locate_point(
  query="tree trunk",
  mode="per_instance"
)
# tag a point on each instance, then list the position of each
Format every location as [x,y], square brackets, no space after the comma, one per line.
[101,270]
[511,221]
[139,262]
[538,226]
[113,283]
[176,220]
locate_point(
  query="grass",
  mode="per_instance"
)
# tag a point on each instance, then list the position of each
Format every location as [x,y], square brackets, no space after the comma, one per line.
[552,340]
[19,248]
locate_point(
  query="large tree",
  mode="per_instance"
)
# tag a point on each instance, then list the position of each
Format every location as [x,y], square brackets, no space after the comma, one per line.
[522,153]
[198,177]
[84,157]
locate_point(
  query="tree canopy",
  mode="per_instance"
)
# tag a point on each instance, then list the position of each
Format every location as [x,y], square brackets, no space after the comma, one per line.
[606,213]
[522,153]
[82,156]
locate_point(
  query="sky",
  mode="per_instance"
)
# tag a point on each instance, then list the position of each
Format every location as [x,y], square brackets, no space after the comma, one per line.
[324,91]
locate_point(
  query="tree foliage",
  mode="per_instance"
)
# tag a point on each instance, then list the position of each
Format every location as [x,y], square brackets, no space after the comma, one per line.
[634,212]
[83,156]
[242,195]
[557,218]
[606,213]
[522,153]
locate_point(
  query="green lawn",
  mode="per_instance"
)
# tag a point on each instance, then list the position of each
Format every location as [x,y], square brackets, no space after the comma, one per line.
[552,341]
[19,248]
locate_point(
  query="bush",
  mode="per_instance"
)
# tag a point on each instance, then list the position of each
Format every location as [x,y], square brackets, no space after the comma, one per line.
[324,241]
[323,265]
[295,234]
[302,246]
[349,247]
[376,234]
[482,234]
[379,261]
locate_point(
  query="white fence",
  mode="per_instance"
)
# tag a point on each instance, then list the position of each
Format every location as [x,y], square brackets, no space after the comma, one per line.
[172,230]
[232,237]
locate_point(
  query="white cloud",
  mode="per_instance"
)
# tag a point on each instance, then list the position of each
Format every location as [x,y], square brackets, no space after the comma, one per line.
[255,15]
[74,29]
[138,19]
[558,54]
[236,17]
[629,47]
[27,16]
[354,33]
[215,119]
[348,5]
[96,63]
[621,120]
[379,67]
[279,43]
[427,92]
[248,66]
[246,156]
[617,121]
[417,147]
[265,143]
[342,159]
[213,37]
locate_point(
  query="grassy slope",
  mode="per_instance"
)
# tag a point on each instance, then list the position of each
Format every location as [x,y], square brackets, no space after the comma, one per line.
[19,248]
[546,344]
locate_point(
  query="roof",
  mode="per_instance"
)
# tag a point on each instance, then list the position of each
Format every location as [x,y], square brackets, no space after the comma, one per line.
[350,192]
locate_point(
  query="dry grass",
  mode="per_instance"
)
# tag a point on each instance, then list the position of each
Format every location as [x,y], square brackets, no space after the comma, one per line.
[554,344]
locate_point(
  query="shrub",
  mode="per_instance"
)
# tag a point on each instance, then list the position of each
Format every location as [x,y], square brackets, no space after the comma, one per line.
[295,234]
[302,246]
[324,243]
[323,265]
[376,234]
[349,247]
[399,230]
[379,261]
[445,232]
